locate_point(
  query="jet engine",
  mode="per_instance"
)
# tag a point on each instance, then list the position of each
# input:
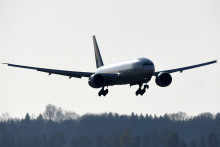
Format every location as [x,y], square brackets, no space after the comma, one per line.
[97,80]
[163,79]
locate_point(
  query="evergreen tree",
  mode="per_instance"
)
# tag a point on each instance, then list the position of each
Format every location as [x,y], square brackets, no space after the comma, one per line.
[193,143]
[126,139]
[57,140]
[213,140]
[173,140]
[202,143]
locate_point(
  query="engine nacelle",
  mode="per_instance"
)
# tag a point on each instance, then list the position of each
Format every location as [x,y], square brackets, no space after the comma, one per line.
[97,81]
[163,79]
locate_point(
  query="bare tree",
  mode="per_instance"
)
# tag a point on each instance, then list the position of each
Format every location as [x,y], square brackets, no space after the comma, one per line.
[5,116]
[49,113]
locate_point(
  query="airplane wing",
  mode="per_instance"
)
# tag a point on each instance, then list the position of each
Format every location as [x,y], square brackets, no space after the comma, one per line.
[185,68]
[70,74]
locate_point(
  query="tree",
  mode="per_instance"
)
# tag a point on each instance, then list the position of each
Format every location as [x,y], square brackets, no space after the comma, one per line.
[136,142]
[182,143]
[43,140]
[180,116]
[50,111]
[71,115]
[7,141]
[27,118]
[150,140]
[202,143]
[126,140]
[26,126]
[5,116]
[40,118]
[57,140]
[173,140]
[193,143]
[57,114]
[81,141]
[112,141]
[99,141]
[213,140]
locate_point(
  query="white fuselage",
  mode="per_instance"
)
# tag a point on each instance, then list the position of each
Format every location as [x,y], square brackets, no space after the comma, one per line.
[129,72]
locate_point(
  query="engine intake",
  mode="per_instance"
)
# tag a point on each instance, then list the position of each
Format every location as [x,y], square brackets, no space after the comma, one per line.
[163,79]
[97,80]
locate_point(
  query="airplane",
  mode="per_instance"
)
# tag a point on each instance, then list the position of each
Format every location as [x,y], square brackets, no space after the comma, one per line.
[137,71]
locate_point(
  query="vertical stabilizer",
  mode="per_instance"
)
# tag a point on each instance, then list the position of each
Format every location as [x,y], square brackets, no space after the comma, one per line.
[98,57]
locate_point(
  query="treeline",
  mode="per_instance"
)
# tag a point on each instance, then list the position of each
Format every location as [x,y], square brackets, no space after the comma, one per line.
[58,128]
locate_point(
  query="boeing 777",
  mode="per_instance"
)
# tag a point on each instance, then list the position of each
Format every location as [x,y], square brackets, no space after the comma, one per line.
[138,71]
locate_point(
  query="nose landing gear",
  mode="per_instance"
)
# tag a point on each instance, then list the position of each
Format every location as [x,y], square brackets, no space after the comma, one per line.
[141,91]
[103,92]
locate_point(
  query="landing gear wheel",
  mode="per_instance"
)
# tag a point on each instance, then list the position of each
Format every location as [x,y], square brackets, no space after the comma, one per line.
[138,91]
[103,92]
[141,91]
[146,86]
[100,93]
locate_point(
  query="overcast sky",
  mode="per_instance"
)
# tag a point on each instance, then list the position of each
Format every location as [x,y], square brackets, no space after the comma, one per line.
[58,34]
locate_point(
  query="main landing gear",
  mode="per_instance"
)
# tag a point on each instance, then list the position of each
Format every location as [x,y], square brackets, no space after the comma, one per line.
[103,92]
[141,91]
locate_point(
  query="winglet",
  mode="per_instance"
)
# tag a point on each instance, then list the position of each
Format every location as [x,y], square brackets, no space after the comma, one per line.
[98,57]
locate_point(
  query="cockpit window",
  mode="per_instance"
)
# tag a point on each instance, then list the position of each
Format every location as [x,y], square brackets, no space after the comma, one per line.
[145,64]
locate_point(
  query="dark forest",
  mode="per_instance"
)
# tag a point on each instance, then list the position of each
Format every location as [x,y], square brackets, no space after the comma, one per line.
[58,128]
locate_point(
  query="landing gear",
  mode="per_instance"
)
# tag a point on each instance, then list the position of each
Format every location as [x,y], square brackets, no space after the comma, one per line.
[141,91]
[103,92]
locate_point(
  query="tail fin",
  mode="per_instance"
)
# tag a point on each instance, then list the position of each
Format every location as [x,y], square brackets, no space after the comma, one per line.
[98,57]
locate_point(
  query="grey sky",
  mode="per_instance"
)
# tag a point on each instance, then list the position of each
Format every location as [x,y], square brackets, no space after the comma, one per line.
[58,34]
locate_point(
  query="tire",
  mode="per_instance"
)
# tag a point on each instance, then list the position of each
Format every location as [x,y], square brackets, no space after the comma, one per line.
[137,92]
[99,93]
[105,92]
